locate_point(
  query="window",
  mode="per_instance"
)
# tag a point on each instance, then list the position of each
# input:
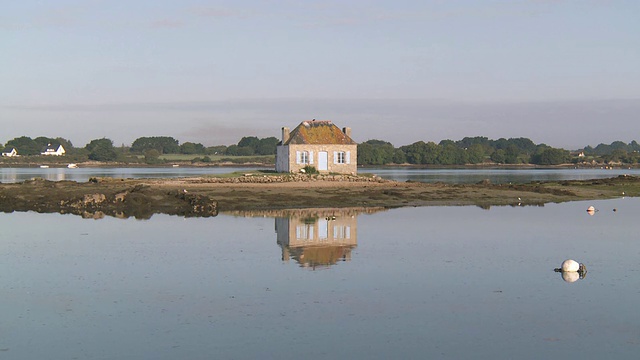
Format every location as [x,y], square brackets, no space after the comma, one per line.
[341,157]
[303,157]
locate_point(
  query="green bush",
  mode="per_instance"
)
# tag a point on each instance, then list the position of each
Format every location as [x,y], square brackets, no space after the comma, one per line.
[310,170]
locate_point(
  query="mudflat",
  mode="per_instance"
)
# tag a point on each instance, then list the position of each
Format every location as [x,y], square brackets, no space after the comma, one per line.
[206,196]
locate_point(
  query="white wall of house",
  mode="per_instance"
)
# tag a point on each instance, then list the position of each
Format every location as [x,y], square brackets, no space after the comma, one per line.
[11,153]
[282,158]
[340,158]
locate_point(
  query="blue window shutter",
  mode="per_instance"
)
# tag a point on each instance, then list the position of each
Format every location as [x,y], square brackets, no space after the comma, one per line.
[348,157]
[297,157]
[310,157]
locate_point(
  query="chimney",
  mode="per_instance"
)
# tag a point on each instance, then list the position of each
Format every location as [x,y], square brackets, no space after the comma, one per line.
[347,131]
[285,135]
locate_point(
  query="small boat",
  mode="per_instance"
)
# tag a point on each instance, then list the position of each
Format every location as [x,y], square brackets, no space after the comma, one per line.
[72,166]
[44,166]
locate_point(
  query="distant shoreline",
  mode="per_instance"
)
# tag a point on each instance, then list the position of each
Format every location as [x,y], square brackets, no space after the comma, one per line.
[488,166]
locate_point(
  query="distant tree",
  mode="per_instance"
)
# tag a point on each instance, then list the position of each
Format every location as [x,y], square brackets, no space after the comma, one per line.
[616,155]
[192,148]
[422,153]
[24,145]
[475,153]
[480,142]
[588,150]
[498,156]
[231,150]
[524,145]
[551,156]
[376,142]
[43,142]
[377,152]
[500,144]
[216,150]
[431,153]
[467,142]
[250,145]
[446,142]
[267,146]
[450,154]
[249,141]
[398,157]
[245,151]
[415,152]
[365,154]
[101,150]
[511,153]
[152,156]
[618,145]
[163,144]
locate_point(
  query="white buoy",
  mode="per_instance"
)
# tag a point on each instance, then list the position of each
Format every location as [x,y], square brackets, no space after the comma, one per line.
[570,267]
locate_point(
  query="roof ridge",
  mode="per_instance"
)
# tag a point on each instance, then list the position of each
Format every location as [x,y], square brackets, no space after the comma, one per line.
[318,132]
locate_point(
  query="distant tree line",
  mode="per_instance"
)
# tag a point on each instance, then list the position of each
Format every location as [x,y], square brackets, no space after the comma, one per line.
[28,146]
[247,146]
[151,148]
[478,150]
[469,150]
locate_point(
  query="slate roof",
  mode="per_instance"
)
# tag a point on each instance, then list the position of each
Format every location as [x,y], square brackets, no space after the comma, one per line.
[318,132]
[50,148]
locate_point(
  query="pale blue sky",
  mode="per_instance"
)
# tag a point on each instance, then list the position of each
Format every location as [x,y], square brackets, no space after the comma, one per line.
[560,72]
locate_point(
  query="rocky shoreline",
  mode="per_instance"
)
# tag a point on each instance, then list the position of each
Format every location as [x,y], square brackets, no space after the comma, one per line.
[206,196]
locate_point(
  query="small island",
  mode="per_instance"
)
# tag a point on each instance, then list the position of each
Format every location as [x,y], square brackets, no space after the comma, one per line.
[207,196]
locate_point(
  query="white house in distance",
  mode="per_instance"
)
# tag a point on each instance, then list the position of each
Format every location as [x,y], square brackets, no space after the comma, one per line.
[10,152]
[53,150]
[320,144]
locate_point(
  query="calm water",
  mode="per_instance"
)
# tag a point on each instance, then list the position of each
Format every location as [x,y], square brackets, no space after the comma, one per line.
[497,176]
[459,176]
[11,175]
[421,283]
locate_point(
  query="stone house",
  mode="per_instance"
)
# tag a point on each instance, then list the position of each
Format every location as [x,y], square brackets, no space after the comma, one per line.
[320,144]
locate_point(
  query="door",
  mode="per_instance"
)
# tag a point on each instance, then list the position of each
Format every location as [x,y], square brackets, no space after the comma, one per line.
[323,160]
[323,229]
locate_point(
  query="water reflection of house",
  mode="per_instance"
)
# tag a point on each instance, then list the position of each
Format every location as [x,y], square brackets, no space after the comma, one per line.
[316,237]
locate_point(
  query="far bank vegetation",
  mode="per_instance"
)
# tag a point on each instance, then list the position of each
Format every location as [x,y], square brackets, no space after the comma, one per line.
[162,150]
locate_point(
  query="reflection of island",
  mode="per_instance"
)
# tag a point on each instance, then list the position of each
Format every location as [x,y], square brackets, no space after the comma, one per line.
[316,237]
